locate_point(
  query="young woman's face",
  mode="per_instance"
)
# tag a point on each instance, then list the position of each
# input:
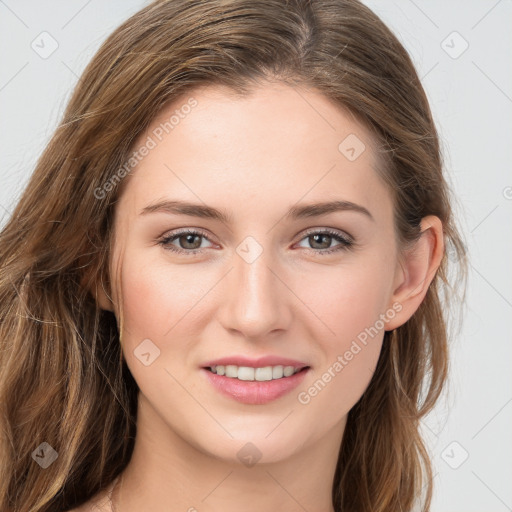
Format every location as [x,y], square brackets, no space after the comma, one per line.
[276,282]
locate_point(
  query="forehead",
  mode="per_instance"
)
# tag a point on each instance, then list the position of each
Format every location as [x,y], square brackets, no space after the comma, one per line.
[280,144]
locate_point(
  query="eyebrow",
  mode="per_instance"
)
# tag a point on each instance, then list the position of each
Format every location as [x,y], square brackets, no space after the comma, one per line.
[295,212]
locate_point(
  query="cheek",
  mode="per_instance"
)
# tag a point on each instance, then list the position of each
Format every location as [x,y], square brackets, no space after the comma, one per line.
[145,304]
[157,298]
[350,358]
[351,303]
[347,300]
[332,391]
[158,305]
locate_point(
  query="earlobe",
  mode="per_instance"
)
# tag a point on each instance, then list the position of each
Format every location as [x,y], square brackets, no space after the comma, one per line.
[102,299]
[418,270]
[97,290]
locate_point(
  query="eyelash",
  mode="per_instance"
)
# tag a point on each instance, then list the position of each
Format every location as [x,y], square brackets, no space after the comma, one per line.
[345,242]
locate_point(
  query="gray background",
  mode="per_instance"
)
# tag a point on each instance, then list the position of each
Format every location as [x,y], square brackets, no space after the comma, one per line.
[471,96]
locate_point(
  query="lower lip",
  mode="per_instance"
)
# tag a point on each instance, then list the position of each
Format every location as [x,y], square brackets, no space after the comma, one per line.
[255,392]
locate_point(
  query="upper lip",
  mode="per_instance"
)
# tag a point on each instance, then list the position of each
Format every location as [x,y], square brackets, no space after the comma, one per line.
[260,362]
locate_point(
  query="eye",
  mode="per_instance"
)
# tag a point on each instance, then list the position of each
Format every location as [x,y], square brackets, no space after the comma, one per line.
[324,239]
[186,238]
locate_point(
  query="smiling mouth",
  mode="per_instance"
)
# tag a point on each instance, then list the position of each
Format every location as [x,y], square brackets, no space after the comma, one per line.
[262,374]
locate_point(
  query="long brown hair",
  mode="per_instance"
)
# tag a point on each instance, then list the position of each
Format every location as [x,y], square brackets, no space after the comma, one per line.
[63,380]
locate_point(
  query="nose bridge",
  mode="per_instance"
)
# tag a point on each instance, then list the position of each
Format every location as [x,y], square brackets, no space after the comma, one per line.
[256,301]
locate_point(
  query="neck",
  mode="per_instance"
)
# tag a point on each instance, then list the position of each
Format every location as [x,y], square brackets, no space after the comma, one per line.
[168,473]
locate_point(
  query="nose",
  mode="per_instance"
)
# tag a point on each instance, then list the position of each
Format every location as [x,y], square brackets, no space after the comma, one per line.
[257,299]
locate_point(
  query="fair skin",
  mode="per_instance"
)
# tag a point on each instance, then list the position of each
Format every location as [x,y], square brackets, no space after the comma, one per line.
[254,158]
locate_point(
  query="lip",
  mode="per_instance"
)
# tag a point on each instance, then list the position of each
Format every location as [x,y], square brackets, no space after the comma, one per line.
[260,362]
[254,392]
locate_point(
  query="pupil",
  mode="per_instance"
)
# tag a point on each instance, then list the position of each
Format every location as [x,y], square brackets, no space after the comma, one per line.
[188,237]
[315,237]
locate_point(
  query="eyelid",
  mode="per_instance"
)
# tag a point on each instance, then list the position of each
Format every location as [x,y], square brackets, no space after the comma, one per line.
[175,233]
[331,231]
[184,231]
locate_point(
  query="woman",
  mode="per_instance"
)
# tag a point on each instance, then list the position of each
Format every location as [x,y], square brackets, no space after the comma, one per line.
[221,288]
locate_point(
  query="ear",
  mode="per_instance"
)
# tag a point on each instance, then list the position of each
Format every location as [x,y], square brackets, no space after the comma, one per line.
[103,299]
[96,288]
[414,275]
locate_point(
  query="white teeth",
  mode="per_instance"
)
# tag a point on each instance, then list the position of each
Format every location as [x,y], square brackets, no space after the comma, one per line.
[245,373]
[232,371]
[277,372]
[263,373]
[259,374]
[288,370]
